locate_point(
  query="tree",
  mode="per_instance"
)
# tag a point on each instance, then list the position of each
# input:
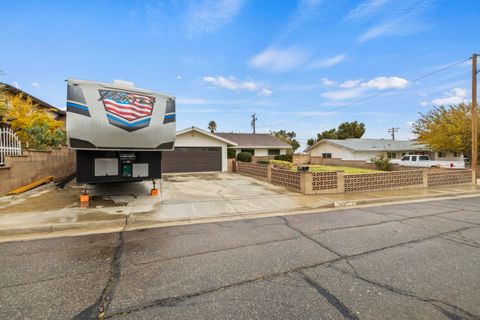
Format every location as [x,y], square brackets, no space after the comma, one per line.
[345,130]
[350,130]
[446,128]
[34,127]
[212,126]
[288,137]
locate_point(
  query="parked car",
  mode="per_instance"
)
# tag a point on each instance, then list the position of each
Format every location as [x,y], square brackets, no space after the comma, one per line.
[418,160]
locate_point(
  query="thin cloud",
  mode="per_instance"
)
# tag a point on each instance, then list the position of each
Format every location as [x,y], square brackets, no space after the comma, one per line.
[365,9]
[350,84]
[454,96]
[329,62]
[208,16]
[391,18]
[306,11]
[343,94]
[383,83]
[231,83]
[15,84]
[278,60]
[35,84]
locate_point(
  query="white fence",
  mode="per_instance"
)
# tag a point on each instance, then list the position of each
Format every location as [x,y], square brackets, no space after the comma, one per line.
[9,144]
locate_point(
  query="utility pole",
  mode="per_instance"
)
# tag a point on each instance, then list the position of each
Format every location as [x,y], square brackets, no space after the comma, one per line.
[254,119]
[392,131]
[473,160]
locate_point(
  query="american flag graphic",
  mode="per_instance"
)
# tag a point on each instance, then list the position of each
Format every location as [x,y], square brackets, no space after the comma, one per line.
[127,110]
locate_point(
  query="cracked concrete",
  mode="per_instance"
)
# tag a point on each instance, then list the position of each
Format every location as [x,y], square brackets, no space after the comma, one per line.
[371,263]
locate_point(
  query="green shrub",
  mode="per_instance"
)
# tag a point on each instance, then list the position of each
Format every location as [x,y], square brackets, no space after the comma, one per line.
[284,157]
[244,157]
[231,153]
[282,164]
[382,162]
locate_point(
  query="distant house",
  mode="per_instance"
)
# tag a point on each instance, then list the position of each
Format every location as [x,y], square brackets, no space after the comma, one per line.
[365,149]
[9,92]
[258,144]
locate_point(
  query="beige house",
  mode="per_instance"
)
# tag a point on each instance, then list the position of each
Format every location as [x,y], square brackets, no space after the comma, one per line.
[258,144]
[365,149]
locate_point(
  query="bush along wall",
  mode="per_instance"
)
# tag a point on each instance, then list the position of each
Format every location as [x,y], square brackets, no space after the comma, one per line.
[284,157]
[244,157]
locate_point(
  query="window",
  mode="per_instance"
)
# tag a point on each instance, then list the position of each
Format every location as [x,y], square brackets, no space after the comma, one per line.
[441,154]
[414,158]
[423,158]
[405,158]
[391,155]
[251,151]
[326,155]
[456,154]
[403,153]
[273,152]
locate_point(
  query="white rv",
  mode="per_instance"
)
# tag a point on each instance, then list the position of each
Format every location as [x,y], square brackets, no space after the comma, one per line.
[119,131]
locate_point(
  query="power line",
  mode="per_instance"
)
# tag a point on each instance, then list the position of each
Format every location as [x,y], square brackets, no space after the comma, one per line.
[373,95]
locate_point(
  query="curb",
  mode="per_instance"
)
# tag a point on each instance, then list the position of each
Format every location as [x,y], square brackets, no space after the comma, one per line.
[79,228]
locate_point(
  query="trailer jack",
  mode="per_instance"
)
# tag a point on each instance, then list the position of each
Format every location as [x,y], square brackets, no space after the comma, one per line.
[84,198]
[154,191]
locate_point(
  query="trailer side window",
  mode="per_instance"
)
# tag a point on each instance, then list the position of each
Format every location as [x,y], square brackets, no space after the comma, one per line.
[405,158]
[414,158]
[423,158]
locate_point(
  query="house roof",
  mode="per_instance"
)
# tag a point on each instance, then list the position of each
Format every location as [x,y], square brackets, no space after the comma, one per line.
[37,101]
[212,135]
[258,140]
[374,145]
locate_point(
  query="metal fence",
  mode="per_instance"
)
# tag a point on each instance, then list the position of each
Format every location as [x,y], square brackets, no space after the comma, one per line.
[9,144]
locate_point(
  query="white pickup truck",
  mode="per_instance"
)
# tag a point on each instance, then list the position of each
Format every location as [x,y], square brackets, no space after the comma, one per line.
[418,160]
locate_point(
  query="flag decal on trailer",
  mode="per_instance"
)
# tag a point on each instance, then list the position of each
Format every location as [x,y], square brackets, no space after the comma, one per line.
[127,110]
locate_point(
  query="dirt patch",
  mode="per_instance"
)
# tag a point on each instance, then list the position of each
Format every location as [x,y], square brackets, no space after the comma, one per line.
[52,200]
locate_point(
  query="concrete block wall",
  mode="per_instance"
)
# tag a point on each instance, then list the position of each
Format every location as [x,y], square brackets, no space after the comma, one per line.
[339,182]
[34,165]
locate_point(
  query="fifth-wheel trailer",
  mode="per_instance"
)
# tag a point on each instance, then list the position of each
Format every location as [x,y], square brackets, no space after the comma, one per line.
[118,131]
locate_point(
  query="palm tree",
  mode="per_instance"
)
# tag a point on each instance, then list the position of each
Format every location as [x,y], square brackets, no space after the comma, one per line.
[212,126]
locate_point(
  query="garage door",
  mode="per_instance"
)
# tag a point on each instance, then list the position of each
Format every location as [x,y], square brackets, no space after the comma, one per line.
[192,159]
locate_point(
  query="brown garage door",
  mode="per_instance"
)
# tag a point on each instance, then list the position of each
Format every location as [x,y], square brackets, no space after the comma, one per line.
[192,159]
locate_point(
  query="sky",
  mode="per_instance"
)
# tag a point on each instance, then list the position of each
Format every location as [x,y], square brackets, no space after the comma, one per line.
[303,66]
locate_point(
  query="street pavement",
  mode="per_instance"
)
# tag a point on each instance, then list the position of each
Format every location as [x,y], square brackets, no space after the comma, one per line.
[403,261]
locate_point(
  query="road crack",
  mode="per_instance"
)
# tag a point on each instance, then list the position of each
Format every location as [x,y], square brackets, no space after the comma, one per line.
[332,299]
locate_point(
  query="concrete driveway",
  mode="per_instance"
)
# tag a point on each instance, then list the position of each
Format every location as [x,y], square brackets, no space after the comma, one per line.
[190,196]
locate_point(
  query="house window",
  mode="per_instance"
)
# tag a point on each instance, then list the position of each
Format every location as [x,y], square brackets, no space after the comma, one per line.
[456,154]
[251,151]
[326,155]
[403,153]
[441,154]
[273,152]
[391,155]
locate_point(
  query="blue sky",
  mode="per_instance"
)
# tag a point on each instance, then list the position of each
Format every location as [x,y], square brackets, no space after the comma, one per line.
[298,64]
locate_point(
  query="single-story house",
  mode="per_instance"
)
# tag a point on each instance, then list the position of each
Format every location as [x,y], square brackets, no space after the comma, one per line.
[258,144]
[197,150]
[365,149]
[8,92]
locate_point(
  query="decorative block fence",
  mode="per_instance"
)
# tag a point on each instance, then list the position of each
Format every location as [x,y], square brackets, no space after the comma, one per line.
[339,182]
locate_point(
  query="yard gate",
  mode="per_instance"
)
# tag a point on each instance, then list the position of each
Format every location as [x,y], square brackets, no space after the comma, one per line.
[9,144]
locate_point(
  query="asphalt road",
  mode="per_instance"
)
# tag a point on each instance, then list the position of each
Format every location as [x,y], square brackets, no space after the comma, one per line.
[409,261]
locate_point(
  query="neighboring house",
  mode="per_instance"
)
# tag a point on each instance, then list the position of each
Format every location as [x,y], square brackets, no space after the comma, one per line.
[9,92]
[197,150]
[258,144]
[365,149]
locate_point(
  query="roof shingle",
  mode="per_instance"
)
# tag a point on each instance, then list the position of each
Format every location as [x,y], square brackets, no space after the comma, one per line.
[254,140]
